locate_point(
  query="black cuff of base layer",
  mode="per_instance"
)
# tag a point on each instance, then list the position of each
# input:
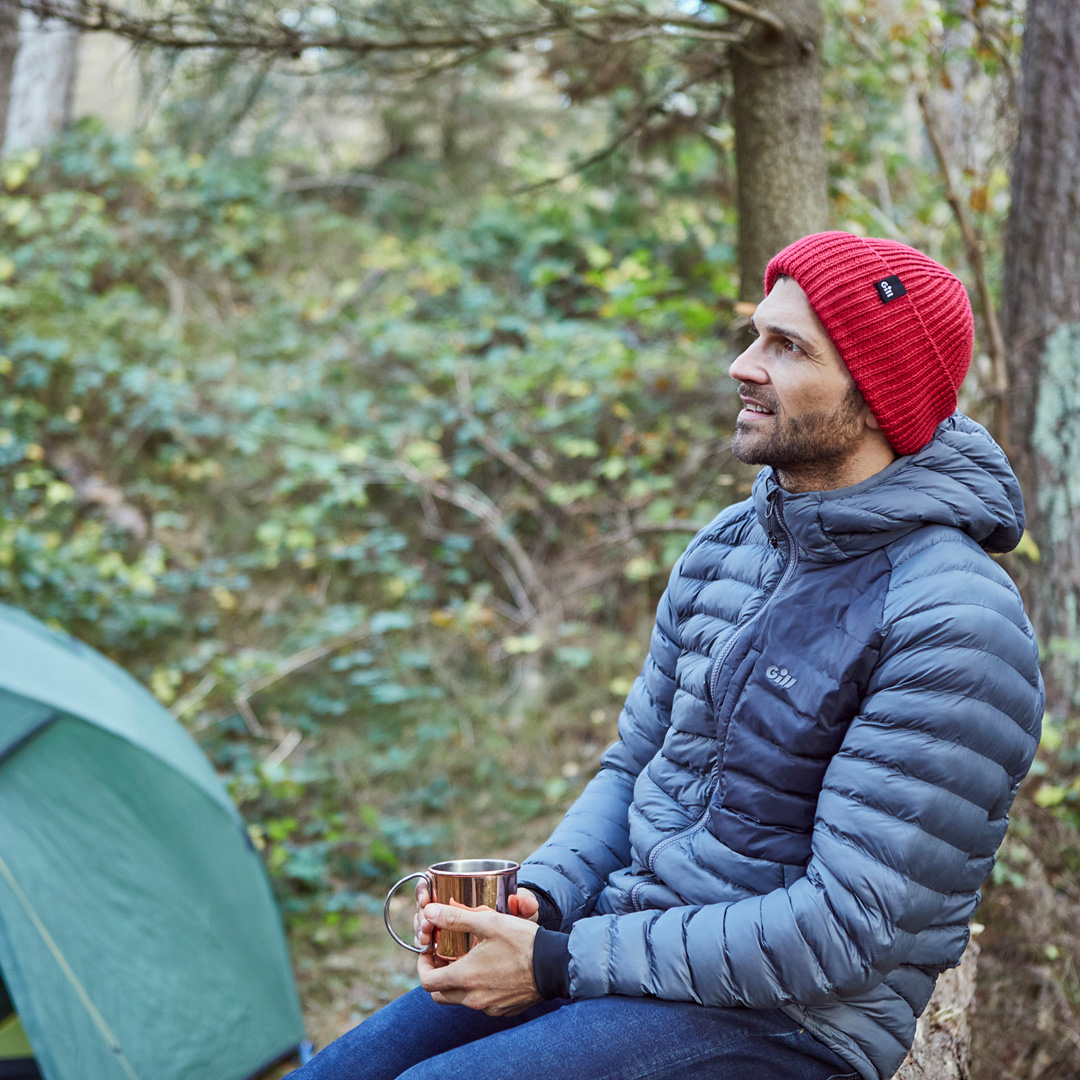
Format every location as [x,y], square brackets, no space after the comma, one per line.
[551,964]
[549,916]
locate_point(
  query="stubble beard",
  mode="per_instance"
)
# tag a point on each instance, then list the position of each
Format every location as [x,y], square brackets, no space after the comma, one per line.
[814,446]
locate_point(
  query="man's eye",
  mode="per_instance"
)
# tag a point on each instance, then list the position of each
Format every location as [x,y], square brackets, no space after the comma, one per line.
[791,347]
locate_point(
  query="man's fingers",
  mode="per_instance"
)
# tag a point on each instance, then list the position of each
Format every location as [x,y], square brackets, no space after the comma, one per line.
[437,976]
[421,927]
[523,904]
[445,917]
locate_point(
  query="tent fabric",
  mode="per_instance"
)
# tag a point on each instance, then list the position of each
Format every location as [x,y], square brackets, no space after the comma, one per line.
[59,672]
[139,937]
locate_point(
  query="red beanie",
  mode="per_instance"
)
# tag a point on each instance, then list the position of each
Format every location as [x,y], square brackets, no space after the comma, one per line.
[901,321]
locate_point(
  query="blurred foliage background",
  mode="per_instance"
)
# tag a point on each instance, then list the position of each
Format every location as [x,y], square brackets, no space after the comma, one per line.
[369,450]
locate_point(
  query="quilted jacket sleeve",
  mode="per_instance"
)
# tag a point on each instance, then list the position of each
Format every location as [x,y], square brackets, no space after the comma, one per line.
[593,839]
[912,810]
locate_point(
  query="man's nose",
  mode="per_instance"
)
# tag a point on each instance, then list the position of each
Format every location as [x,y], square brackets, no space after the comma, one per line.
[746,367]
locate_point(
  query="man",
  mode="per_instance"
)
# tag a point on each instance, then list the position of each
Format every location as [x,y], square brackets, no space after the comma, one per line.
[784,848]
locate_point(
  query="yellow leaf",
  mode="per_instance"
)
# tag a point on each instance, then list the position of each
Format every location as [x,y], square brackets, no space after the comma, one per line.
[1050,795]
[164,682]
[426,456]
[1028,548]
[523,643]
[639,568]
[224,599]
[58,492]
[15,170]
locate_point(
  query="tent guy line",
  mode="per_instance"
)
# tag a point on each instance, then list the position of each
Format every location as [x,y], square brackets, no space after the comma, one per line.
[91,1009]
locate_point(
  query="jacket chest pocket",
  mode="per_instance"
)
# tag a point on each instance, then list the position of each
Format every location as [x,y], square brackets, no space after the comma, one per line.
[787,705]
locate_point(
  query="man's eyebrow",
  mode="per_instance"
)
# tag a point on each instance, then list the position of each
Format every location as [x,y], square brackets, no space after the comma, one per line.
[794,335]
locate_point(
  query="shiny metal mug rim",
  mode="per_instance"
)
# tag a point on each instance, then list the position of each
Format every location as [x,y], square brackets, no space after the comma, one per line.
[480,868]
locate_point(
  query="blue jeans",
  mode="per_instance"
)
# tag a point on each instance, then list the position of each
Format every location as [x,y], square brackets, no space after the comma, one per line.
[608,1038]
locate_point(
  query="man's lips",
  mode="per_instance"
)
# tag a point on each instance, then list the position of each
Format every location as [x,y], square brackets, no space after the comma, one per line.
[754,408]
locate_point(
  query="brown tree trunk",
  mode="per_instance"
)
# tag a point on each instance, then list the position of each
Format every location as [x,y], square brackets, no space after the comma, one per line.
[1041,324]
[779,138]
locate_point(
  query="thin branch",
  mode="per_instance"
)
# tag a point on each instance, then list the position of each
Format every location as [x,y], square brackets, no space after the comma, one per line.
[223,30]
[748,11]
[251,720]
[284,748]
[629,131]
[242,696]
[973,246]
[475,502]
[634,127]
[192,698]
[491,445]
[355,180]
[517,590]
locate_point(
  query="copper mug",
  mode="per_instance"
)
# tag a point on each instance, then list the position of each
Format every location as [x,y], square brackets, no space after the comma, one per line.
[476,884]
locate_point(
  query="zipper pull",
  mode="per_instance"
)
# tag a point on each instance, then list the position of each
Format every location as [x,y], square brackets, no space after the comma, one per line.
[770,514]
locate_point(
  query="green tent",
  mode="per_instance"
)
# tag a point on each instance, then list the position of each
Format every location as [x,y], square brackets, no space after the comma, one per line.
[138,933]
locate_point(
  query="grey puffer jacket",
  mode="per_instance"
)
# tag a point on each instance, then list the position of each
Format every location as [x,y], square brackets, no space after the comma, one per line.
[815,767]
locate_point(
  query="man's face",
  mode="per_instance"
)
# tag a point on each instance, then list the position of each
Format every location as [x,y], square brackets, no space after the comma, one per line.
[802,412]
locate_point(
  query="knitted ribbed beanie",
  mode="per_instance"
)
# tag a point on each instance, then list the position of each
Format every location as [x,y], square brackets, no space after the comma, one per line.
[901,322]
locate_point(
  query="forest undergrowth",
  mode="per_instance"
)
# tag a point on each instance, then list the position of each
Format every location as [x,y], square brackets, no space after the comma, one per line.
[379,500]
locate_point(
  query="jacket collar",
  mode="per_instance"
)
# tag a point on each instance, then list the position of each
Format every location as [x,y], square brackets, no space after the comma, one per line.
[961,478]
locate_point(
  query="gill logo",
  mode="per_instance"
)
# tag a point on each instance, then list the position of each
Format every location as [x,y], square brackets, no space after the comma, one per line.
[780,675]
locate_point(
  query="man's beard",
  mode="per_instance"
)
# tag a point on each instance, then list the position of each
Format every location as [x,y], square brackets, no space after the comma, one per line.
[815,442]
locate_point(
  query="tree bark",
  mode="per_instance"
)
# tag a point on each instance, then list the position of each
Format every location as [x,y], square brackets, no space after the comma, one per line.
[41,84]
[9,47]
[1041,324]
[779,138]
[942,1047]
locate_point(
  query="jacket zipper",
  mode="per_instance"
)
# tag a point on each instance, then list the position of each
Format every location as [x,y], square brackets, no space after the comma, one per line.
[773,517]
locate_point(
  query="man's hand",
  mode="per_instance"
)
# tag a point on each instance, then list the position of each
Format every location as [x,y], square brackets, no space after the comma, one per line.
[523,904]
[495,976]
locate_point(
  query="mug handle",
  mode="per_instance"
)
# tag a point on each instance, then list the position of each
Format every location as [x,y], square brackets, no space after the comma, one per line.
[386,911]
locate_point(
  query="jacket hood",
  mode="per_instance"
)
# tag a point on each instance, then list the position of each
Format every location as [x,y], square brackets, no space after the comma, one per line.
[961,479]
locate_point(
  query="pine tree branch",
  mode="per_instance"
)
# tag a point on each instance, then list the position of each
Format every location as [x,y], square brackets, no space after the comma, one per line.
[181,29]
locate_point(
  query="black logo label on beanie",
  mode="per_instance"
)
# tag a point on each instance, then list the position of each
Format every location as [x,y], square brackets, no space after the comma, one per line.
[890,288]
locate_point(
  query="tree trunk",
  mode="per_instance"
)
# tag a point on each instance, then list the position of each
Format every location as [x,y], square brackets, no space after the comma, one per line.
[1041,324]
[9,47]
[779,138]
[41,84]
[942,1047]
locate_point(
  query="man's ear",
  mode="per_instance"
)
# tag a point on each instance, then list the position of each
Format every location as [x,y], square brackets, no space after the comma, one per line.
[871,420]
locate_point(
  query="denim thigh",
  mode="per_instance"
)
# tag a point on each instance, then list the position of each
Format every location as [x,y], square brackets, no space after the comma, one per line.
[608,1038]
